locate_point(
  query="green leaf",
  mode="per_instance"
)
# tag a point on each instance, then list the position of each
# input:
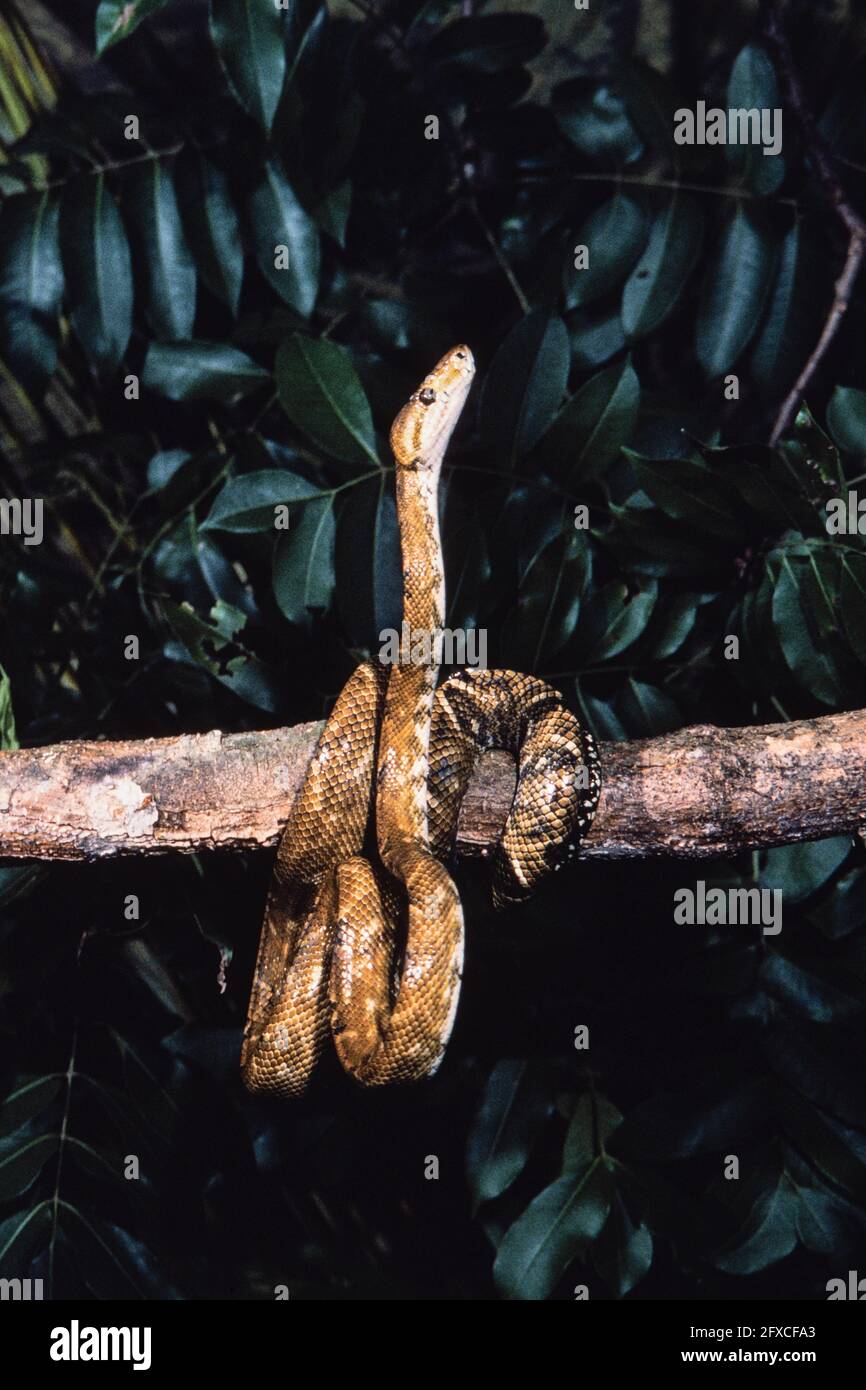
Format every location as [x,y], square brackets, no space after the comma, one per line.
[852,602]
[822,1144]
[678,1125]
[211,225]
[810,663]
[332,213]
[529,520]
[691,493]
[18,880]
[596,336]
[320,392]
[846,419]
[773,485]
[169,273]
[163,466]
[30,1097]
[592,1122]
[116,19]
[767,1230]
[21,1162]
[98,270]
[813,452]
[602,718]
[248,36]
[222,579]
[247,503]
[650,543]
[823,1221]
[143,1089]
[841,912]
[615,234]
[654,287]
[677,622]
[8,735]
[594,118]
[525,385]
[800,870]
[780,345]
[651,103]
[733,291]
[209,646]
[620,618]
[469,571]
[369,572]
[95,1164]
[21,1236]
[752,86]
[547,608]
[31,285]
[101,1251]
[809,988]
[201,371]
[553,1231]
[303,576]
[646,711]
[517,1100]
[623,1252]
[283,230]
[592,427]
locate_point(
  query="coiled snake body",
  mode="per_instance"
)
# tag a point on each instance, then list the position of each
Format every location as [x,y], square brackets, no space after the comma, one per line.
[363,931]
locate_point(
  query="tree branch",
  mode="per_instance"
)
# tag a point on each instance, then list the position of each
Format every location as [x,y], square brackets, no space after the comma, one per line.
[698,793]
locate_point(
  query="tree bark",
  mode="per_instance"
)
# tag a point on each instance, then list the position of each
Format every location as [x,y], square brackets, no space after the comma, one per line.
[695,794]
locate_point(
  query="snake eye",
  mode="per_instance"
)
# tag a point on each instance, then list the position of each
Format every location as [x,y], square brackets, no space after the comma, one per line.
[427,396]
[461,356]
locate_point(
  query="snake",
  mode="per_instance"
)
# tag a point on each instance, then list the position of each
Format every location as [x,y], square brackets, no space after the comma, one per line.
[363,935]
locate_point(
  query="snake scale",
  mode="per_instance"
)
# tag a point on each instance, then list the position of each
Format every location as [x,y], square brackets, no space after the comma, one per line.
[363,934]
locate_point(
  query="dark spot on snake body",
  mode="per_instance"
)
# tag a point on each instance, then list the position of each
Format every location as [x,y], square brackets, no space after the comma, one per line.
[545,704]
[427,395]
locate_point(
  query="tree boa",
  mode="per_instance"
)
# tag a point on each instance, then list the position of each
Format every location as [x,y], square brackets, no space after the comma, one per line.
[363,932]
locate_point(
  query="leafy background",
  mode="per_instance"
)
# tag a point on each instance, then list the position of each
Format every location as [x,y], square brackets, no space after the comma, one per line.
[154,257]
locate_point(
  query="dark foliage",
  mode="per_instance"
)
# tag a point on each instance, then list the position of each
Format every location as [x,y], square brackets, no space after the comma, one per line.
[266,381]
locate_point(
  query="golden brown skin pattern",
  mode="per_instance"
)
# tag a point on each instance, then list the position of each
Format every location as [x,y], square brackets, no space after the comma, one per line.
[370,947]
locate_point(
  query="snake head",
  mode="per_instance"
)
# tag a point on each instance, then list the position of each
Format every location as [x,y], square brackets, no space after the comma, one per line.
[420,433]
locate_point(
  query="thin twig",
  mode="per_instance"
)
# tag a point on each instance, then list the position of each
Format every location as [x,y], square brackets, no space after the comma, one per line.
[501,259]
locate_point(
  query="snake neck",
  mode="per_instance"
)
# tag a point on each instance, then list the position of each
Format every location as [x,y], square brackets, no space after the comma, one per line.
[421,549]
[401,791]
